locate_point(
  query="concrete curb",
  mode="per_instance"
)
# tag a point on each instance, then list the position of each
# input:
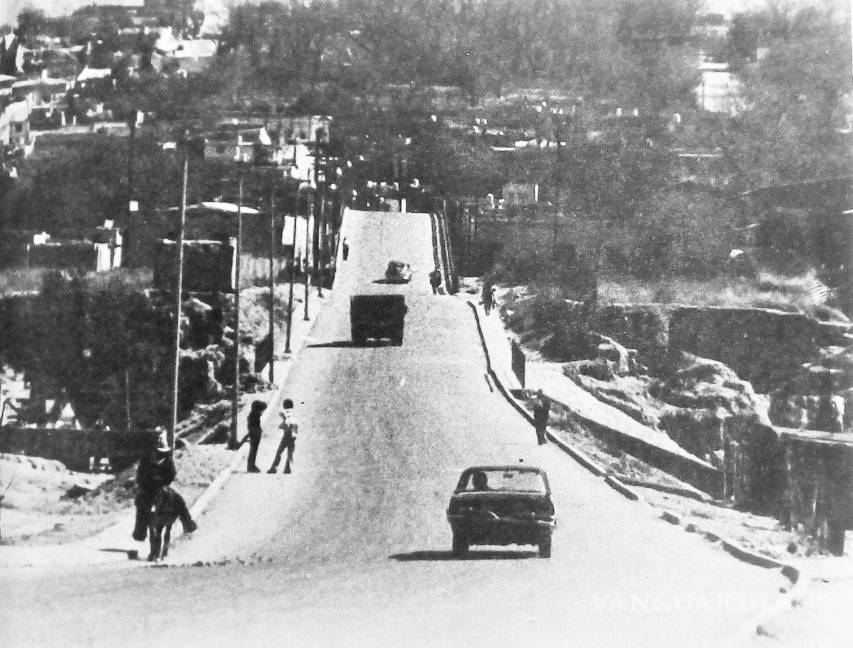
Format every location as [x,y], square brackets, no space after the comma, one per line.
[793,574]
[616,484]
[576,454]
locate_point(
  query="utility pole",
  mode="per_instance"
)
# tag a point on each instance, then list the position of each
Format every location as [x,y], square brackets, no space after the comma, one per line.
[128,420]
[235,401]
[318,257]
[558,116]
[292,275]
[309,213]
[178,292]
[322,244]
[131,207]
[272,277]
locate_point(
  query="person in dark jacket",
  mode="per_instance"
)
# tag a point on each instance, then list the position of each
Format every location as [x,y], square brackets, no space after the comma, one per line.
[435,280]
[254,435]
[345,246]
[488,297]
[157,470]
[541,412]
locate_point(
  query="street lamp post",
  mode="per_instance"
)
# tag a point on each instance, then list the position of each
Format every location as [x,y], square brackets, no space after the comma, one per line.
[235,401]
[558,116]
[309,213]
[272,277]
[322,246]
[292,276]
[178,294]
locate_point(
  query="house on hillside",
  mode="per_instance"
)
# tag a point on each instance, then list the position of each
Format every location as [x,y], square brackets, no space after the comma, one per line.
[719,89]
[520,194]
[101,251]
[41,92]
[209,265]
[15,127]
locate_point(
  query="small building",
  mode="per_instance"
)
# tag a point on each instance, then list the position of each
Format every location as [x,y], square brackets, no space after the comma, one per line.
[99,252]
[520,194]
[15,395]
[209,265]
[15,126]
[42,92]
[719,89]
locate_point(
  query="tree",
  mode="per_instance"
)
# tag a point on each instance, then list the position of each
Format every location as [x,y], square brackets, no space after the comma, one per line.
[31,22]
[792,127]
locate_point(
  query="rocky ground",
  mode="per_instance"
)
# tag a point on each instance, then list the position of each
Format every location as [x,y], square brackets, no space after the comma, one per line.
[45,503]
[687,403]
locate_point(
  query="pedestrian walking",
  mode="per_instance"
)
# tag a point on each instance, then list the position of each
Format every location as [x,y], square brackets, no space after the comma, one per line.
[156,471]
[435,280]
[253,436]
[345,248]
[488,298]
[289,427]
[541,412]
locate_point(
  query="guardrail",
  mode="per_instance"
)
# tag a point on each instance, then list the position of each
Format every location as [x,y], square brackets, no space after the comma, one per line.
[450,275]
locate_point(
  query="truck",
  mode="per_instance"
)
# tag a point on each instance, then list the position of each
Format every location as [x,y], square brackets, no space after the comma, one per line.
[378,317]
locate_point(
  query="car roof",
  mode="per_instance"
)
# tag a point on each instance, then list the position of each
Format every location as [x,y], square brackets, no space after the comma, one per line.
[497,467]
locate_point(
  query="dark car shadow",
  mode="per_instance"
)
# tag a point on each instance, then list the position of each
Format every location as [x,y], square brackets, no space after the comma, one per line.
[349,344]
[336,344]
[488,554]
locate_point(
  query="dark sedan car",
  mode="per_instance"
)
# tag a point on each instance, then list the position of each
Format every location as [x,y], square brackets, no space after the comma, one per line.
[501,505]
[398,272]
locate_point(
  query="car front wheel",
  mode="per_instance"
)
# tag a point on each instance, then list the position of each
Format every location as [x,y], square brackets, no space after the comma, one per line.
[545,545]
[460,544]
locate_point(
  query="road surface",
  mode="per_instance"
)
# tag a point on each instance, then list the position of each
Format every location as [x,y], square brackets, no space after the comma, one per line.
[353,548]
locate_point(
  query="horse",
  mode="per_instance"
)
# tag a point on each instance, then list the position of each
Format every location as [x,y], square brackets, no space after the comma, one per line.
[165,509]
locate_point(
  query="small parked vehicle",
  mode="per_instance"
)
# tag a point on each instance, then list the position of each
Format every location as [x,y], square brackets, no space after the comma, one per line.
[398,272]
[501,505]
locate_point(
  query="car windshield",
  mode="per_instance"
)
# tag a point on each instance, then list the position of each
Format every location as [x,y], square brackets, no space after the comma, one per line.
[503,480]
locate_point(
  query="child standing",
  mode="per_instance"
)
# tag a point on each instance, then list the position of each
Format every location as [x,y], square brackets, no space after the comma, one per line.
[289,428]
[254,435]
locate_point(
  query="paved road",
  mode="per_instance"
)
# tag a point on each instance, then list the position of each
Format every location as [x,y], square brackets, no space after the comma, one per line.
[352,549]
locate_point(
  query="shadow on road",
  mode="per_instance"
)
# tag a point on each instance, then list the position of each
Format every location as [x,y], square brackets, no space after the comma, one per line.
[471,555]
[336,344]
[349,344]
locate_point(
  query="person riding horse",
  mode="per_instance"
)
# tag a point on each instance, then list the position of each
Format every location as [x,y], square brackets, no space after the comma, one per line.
[157,470]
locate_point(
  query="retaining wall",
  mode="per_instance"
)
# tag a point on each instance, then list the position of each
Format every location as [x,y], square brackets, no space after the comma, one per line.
[749,340]
[74,447]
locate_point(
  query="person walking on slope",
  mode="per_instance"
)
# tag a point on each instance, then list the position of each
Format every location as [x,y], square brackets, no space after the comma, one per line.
[157,470]
[541,412]
[345,248]
[435,280]
[488,298]
[289,427]
[253,436]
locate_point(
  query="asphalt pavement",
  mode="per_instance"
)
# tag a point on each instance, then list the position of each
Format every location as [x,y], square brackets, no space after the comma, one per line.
[353,547]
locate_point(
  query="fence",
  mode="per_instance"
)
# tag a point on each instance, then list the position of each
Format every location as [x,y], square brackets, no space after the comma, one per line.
[519,362]
[75,447]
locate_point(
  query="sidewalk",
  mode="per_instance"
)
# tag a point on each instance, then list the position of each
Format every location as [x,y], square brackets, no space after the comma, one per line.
[549,378]
[114,544]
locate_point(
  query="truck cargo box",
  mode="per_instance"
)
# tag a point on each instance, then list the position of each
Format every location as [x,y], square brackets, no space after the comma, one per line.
[377,317]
